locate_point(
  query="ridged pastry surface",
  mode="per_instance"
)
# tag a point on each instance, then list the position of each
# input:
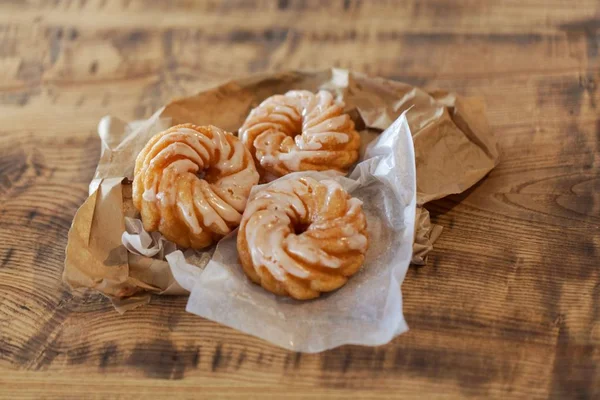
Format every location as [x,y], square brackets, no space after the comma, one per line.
[300,237]
[300,131]
[192,183]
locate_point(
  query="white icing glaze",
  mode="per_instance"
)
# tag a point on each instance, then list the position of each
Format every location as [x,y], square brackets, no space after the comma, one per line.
[266,245]
[272,214]
[234,188]
[305,248]
[170,176]
[209,217]
[296,125]
[302,145]
[332,186]
[185,136]
[176,149]
[183,166]
[219,206]
[357,242]
[330,124]
[189,217]
[293,159]
[325,137]
[149,194]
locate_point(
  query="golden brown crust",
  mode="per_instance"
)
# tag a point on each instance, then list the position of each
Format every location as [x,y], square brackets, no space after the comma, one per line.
[171,197]
[300,131]
[300,237]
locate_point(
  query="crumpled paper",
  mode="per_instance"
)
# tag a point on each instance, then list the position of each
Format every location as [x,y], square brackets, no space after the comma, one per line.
[453,149]
[148,244]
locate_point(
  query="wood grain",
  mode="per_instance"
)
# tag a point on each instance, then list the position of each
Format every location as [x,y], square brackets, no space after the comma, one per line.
[508,305]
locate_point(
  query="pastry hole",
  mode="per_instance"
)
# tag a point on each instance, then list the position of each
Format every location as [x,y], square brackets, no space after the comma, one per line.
[201,174]
[300,228]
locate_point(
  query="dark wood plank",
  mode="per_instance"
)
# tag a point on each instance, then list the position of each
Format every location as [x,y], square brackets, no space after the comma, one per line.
[506,307]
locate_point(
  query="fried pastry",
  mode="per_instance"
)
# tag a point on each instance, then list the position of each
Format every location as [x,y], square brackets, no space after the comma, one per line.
[300,131]
[192,183]
[300,237]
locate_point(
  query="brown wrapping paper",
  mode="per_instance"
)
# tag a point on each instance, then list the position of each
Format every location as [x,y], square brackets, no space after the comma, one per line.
[454,149]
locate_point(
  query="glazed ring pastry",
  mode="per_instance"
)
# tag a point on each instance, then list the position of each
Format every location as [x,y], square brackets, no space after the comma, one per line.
[191,183]
[300,131]
[300,237]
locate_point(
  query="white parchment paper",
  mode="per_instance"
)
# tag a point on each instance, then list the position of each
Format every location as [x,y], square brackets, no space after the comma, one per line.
[368,309]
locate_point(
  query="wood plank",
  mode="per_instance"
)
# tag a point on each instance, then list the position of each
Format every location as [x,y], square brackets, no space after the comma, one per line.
[506,307]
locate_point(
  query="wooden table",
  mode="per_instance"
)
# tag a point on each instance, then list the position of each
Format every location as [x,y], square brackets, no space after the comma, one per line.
[509,303]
